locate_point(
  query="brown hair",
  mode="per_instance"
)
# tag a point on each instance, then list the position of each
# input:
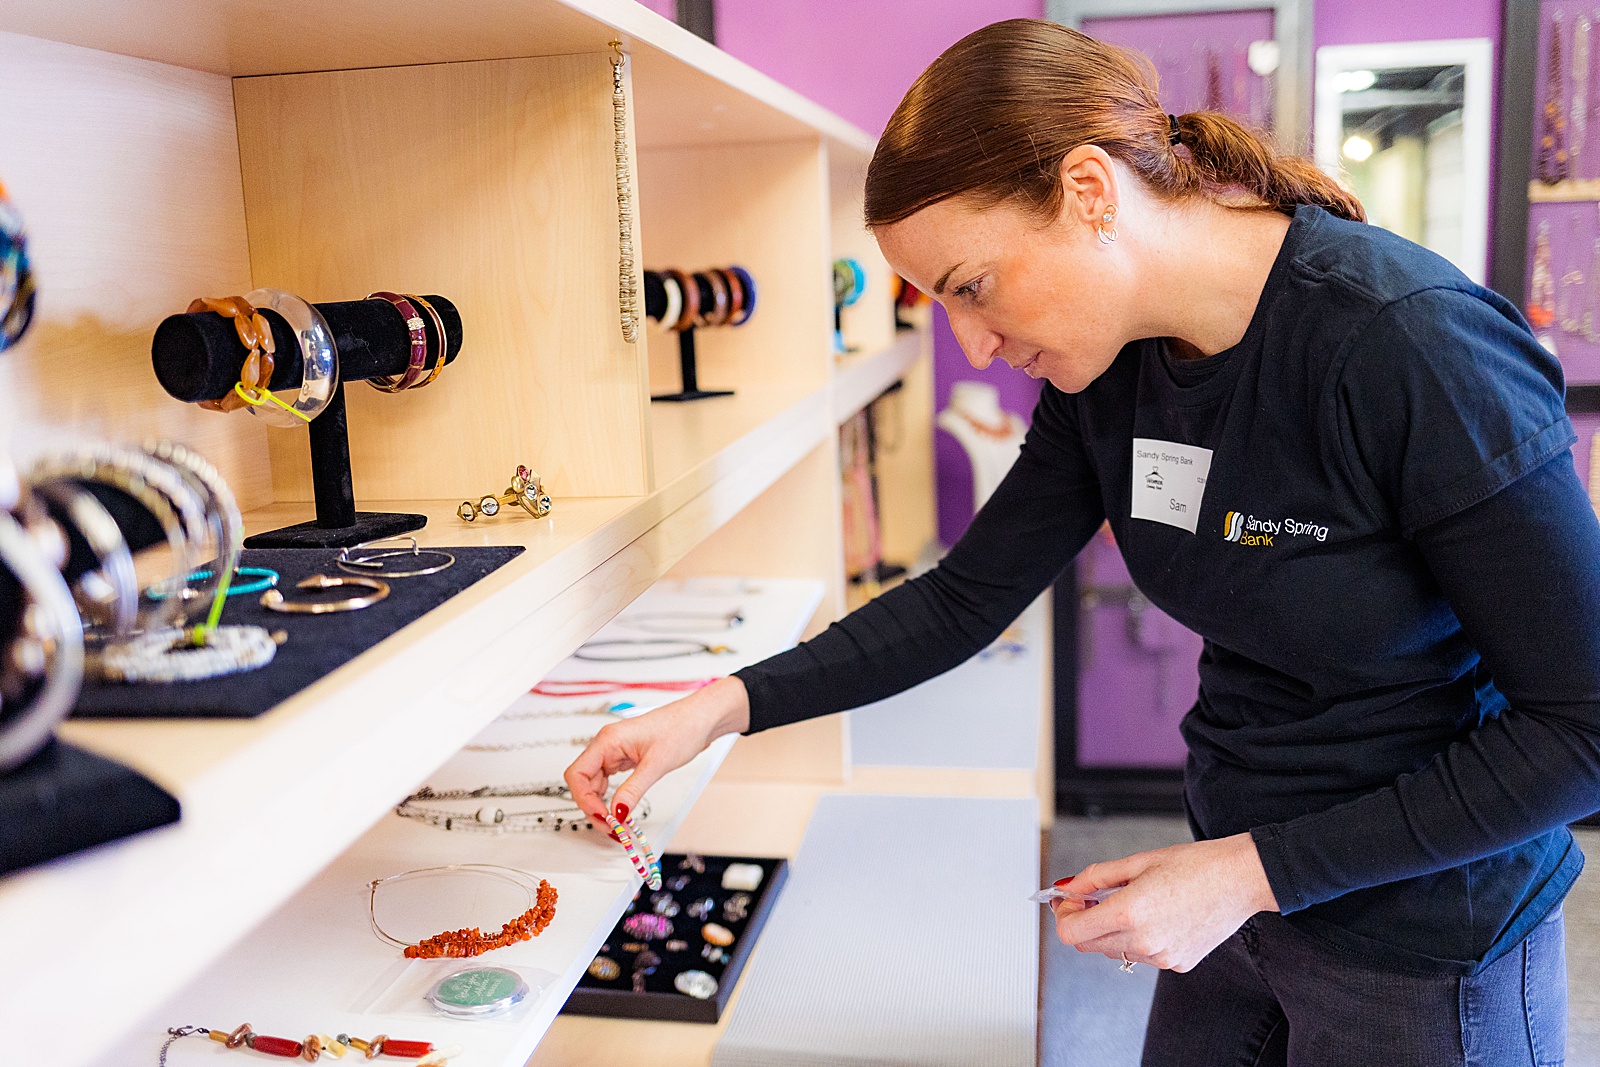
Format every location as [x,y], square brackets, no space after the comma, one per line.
[993,117]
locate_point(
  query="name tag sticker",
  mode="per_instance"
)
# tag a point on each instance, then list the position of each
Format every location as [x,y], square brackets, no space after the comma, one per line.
[1169,481]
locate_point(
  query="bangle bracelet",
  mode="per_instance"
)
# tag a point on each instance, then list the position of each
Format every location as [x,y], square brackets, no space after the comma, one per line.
[156,487]
[691,299]
[256,336]
[717,313]
[735,295]
[171,654]
[227,525]
[48,645]
[265,578]
[319,359]
[674,309]
[438,331]
[16,276]
[107,596]
[419,346]
[370,564]
[273,599]
[749,286]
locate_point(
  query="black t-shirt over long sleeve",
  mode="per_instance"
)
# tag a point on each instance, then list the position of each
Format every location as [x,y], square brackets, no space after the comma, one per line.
[1368,510]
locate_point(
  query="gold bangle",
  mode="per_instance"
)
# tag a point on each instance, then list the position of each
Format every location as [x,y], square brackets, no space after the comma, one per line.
[273,600]
[444,343]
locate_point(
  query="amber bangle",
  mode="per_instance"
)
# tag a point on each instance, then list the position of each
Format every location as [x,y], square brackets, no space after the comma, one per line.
[419,345]
[438,331]
[717,313]
[735,295]
[691,299]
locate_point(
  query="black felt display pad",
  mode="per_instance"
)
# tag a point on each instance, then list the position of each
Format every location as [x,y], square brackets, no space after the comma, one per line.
[661,999]
[65,800]
[317,644]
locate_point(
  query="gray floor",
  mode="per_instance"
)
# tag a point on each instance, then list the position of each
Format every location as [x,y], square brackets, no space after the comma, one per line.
[1093,1014]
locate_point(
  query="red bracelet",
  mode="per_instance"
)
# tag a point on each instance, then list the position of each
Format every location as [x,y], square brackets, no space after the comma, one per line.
[419,346]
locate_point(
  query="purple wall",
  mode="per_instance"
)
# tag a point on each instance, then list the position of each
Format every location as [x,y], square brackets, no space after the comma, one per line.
[854,57]
[1379,21]
[1186,49]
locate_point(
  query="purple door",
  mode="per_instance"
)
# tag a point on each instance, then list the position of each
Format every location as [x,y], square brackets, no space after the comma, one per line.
[1137,671]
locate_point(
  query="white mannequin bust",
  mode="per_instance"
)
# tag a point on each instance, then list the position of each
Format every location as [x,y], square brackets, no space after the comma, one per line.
[990,434]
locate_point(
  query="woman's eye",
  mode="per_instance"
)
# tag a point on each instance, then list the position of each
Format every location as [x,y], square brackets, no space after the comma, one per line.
[968,290]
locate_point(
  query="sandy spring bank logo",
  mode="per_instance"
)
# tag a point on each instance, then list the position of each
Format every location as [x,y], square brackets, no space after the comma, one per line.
[1251,532]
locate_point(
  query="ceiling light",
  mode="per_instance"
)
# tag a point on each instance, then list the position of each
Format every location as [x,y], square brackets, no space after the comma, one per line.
[1358,148]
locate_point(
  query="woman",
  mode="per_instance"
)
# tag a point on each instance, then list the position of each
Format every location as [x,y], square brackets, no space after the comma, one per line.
[1323,449]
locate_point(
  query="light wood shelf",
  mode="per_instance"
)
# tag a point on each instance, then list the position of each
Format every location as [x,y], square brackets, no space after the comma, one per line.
[861,378]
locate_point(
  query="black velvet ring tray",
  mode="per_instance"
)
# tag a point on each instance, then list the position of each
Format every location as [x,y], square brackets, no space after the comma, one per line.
[661,999]
[317,644]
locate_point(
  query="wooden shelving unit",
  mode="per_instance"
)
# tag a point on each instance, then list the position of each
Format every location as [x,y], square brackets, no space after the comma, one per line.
[163,149]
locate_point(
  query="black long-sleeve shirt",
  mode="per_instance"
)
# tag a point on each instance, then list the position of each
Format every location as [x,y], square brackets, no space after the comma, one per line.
[1368,510]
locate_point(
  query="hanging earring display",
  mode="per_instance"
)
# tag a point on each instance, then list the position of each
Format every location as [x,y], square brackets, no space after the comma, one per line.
[1554,162]
[1542,291]
[1570,304]
[1580,90]
[627,288]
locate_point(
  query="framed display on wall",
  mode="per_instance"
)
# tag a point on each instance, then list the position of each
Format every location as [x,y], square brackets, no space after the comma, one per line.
[1219,54]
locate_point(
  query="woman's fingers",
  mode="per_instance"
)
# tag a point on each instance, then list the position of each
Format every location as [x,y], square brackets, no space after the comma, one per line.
[1109,874]
[589,776]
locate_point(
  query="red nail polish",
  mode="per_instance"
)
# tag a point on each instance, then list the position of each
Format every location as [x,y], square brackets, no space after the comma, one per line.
[622,812]
[1062,881]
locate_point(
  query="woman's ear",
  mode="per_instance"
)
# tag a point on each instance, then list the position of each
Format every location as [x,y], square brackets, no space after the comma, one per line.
[1088,185]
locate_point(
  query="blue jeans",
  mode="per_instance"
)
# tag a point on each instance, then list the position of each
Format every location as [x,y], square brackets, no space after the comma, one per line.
[1272,996]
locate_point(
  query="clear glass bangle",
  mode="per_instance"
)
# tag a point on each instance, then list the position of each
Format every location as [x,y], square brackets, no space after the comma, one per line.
[319,358]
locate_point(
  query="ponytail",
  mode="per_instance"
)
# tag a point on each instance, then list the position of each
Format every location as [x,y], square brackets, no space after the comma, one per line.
[1228,163]
[993,117]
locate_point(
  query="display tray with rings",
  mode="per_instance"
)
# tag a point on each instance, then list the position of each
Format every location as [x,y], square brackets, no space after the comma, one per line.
[315,642]
[677,953]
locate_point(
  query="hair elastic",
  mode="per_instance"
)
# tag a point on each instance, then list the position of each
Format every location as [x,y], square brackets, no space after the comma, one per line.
[1176,135]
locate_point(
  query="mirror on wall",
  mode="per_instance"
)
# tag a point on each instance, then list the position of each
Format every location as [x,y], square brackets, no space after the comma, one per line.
[1407,126]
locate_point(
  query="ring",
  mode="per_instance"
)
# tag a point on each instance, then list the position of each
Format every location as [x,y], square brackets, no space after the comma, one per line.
[1127,964]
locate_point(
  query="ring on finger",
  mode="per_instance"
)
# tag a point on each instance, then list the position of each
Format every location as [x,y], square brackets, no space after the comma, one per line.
[1127,964]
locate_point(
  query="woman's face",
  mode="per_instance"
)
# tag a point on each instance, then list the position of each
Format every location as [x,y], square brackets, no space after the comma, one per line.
[1038,297]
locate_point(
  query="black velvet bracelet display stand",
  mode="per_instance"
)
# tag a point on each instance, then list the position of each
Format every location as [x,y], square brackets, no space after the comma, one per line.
[662,999]
[655,305]
[316,646]
[199,357]
[63,799]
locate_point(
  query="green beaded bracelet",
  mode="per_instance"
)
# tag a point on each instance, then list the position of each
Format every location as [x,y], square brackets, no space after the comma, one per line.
[266,578]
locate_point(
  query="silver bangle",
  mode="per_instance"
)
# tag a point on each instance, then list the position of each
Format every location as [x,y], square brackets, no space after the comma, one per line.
[319,358]
[222,509]
[49,644]
[159,489]
[107,596]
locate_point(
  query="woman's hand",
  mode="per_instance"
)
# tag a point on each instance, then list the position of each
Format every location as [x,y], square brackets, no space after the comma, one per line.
[653,744]
[1178,903]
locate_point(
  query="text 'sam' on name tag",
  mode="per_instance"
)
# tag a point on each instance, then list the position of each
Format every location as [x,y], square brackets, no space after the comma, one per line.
[1169,481]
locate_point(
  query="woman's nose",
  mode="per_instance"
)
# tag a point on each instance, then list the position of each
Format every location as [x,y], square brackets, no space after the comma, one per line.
[980,343]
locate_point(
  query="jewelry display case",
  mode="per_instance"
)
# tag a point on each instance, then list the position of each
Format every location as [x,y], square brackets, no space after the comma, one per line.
[165,149]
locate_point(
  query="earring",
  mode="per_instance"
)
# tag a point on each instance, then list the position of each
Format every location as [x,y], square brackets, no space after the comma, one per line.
[1108,226]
